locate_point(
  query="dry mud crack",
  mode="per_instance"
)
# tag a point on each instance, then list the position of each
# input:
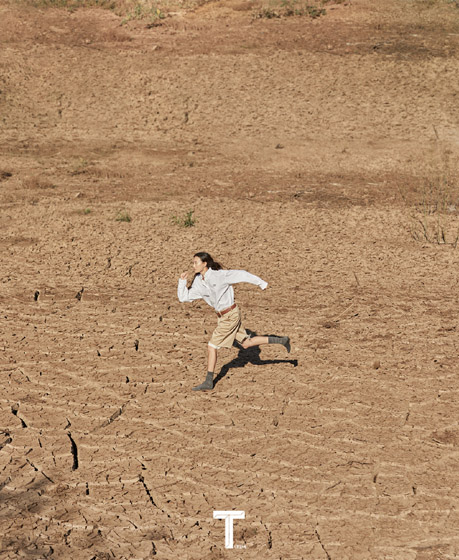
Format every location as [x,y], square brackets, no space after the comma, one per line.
[303,148]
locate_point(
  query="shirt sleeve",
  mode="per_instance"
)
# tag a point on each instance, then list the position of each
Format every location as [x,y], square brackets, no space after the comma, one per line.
[237,276]
[185,294]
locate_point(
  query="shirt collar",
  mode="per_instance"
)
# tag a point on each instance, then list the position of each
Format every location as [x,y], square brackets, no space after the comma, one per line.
[207,276]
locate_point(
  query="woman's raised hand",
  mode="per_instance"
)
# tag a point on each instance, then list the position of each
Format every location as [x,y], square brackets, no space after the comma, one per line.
[184,275]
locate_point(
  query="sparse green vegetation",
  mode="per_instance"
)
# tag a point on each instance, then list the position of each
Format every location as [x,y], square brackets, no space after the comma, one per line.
[157,10]
[70,4]
[145,11]
[84,211]
[123,216]
[186,221]
[79,167]
[288,8]
[153,10]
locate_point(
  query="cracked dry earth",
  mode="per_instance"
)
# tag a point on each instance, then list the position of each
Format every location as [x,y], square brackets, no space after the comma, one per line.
[299,145]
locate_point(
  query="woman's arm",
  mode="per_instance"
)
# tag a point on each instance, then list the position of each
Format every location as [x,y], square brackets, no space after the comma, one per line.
[184,294]
[237,276]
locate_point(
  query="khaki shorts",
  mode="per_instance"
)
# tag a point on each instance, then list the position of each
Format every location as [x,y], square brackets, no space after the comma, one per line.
[229,329]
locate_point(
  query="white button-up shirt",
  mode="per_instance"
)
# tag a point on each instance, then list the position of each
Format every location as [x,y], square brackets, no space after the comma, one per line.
[216,288]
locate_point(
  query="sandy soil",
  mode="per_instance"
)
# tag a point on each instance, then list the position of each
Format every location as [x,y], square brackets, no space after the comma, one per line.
[301,146]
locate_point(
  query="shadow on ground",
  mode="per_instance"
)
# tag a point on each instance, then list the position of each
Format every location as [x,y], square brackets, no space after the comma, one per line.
[249,356]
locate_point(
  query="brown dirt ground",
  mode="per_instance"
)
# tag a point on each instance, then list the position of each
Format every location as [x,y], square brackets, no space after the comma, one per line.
[300,145]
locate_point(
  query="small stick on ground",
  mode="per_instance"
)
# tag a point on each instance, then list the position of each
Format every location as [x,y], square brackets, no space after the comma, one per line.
[343,312]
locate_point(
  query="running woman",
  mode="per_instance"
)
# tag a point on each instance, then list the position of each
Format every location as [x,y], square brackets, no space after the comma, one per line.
[215,286]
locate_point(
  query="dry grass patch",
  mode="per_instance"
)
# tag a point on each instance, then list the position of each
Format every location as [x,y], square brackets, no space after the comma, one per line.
[155,11]
[129,9]
[434,203]
[288,8]
[33,183]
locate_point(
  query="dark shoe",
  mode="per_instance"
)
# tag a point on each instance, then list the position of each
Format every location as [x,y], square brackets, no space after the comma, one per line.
[286,342]
[206,386]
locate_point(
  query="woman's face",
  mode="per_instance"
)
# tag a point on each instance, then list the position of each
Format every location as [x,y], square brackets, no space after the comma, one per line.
[198,265]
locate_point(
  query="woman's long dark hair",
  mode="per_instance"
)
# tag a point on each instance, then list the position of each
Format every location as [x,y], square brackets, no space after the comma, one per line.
[206,258]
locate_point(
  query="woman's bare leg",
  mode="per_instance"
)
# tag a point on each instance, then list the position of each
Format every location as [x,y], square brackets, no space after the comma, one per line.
[258,340]
[255,341]
[212,358]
